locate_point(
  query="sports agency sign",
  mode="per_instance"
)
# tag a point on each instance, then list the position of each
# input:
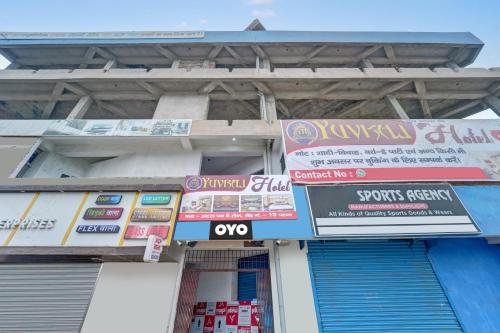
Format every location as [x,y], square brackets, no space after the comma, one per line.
[385,210]
[328,150]
[236,198]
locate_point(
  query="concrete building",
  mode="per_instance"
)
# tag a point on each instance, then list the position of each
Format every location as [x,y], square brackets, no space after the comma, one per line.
[136,112]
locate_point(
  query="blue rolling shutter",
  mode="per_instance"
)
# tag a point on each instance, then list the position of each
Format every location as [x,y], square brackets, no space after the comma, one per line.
[247,281]
[377,286]
[247,286]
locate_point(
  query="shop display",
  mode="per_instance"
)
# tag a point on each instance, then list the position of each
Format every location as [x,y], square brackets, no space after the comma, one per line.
[226,317]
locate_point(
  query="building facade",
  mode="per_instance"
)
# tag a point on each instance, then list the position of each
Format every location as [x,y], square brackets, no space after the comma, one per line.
[105,136]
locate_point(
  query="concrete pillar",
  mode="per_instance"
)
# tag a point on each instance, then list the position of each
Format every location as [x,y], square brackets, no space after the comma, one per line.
[175,106]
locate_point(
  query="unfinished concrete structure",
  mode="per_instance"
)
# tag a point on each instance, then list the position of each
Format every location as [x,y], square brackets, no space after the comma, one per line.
[235,86]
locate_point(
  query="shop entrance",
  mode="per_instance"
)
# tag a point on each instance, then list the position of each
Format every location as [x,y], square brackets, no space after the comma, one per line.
[225,291]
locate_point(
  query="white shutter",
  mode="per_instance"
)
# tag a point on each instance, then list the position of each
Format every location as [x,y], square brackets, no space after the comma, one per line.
[45,297]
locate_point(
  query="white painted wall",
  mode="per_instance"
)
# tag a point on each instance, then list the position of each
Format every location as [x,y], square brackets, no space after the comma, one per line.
[132,297]
[149,164]
[217,286]
[298,300]
[52,165]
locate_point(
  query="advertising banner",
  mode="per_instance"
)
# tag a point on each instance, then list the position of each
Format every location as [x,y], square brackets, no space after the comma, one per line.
[104,127]
[226,198]
[86,218]
[326,151]
[227,317]
[385,210]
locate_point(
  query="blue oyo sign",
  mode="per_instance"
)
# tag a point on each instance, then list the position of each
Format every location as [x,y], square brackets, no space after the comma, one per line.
[108,199]
[98,229]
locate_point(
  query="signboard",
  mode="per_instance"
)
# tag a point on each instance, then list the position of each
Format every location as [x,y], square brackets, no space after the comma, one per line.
[108,199]
[229,198]
[325,151]
[224,230]
[385,210]
[98,213]
[90,128]
[103,35]
[85,218]
[227,317]
[153,249]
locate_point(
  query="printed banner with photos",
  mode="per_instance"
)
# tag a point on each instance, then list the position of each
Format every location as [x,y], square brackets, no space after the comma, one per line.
[86,218]
[373,150]
[95,127]
[230,198]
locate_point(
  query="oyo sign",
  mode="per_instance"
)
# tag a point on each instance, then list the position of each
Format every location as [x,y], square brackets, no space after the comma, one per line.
[223,230]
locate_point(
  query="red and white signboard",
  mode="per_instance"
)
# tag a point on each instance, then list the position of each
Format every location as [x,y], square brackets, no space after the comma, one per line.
[332,150]
[230,198]
[226,317]
[153,249]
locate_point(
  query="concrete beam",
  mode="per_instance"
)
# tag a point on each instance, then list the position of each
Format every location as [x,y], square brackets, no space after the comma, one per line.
[396,108]
[457,109]
[87,57]
[326,75]
[363,55]
[49,107]
[113,109]
[494,103]
[229,60]
[389,52]
[421,92]
[164,51]
[80,108]
[110,64]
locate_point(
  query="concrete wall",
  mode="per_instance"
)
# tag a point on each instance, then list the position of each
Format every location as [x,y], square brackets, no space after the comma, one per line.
[52,165]
[217,286]
[182,107]
[164,164]
[12,152]
[298,300]
[132,297]
[148,164]
[469,271]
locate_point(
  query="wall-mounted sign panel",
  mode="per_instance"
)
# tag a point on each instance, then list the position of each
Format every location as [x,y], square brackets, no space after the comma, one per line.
[231,230]
[226,198]
[326,151]
[299,228]
[388,210]
[81,218]
[89,128]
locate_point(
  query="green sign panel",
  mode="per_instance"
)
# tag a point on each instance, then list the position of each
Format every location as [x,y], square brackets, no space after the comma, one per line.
[156,199]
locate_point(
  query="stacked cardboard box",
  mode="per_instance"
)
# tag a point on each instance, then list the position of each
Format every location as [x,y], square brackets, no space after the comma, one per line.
[226,317]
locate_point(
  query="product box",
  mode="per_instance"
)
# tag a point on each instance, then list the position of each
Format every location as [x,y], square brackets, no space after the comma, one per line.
[211,308]
[244,313]
[220,317]
[209,323]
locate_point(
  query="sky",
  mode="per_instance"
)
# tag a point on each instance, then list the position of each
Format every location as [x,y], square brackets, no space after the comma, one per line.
[481,17]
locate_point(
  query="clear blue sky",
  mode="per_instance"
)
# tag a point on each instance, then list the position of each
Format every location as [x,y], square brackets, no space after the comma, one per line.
[481,17]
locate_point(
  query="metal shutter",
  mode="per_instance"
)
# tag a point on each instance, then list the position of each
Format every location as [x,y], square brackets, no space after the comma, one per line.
[247,286]
[375,286]
[45,297]
[248,281]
